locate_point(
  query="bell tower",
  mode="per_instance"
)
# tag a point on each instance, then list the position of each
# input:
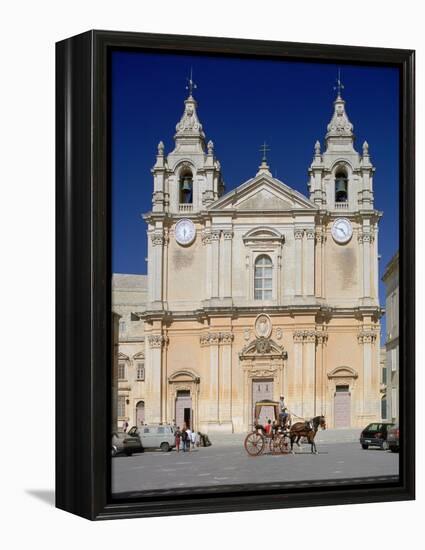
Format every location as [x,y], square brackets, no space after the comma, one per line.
[188,179]
[341,179]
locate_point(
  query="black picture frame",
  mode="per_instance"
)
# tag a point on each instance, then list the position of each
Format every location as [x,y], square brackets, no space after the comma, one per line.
[83,323]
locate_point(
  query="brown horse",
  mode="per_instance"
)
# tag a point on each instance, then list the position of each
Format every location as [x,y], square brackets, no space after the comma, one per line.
[300,429]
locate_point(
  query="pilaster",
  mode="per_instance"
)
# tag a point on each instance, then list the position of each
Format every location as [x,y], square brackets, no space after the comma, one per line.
[298,235]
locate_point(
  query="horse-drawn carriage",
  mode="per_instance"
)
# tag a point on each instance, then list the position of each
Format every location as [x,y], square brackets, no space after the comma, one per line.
[259,439]
[280,437]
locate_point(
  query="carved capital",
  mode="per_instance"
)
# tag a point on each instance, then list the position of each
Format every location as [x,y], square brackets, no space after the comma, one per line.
[298,233]
[210,339]
[310,233]
[206,237]
[157,340]
[366,337]
[215,235]
[298,335]
[226,337]
[320,236]
[365,237]
[157,239]
[228,235]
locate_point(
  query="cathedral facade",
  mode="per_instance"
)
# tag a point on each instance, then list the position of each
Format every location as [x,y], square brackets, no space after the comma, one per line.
[260,292]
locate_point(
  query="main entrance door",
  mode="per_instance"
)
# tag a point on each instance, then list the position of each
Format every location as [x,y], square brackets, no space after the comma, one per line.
[183,408]
[140,413]
[262,390]
[342,407]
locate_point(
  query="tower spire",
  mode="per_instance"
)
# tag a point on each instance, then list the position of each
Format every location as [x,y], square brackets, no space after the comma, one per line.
[190,83]
[339,85]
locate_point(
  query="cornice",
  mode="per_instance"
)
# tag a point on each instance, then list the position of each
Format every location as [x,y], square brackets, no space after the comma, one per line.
[321,311]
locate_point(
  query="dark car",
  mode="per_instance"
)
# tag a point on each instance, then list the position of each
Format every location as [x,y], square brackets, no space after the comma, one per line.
[393,439]
[375,435]
[125,443]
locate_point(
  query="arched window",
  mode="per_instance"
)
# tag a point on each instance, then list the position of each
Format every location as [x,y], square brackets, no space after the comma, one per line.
[263,276]
[341,185]
[384,415]
[186,188]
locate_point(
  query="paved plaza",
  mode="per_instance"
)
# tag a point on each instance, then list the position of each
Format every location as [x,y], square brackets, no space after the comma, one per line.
[226,462]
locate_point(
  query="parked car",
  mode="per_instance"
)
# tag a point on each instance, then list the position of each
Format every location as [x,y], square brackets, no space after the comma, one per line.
[375,435]
[154,436]
[125,443]
[393,438]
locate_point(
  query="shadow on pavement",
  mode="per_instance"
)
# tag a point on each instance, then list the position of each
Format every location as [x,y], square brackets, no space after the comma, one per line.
[45,495]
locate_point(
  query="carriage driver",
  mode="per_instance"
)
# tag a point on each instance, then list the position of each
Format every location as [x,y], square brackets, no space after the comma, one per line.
[283,415]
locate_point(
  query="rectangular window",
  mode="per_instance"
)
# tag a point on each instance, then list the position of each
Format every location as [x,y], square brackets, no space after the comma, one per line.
[121,371]
[394,396]
[140,371]
[394,359]
[384,375]
[121,405]
[384,408]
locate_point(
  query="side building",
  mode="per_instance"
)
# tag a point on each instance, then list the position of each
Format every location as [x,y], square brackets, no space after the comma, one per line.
[129,292]
[391,281]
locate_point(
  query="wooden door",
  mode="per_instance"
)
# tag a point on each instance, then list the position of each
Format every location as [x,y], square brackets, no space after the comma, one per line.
[140,413]
[342,407]
[262,390]
[183,409]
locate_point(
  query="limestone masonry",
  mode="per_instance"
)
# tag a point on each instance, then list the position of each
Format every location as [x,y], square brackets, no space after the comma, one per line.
[257,293]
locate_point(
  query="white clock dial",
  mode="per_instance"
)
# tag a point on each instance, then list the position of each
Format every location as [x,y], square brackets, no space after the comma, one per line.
[342,230]
[185,232]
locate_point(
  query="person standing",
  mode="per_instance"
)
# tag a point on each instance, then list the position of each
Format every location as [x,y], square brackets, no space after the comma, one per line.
[193,438]
[189,438]
[184,438]
[178,435]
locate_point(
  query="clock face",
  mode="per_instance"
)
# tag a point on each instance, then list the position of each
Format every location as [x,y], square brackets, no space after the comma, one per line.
[185,232]
[342,230]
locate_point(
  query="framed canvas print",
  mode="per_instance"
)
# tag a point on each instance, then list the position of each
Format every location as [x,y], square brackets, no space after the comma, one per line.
[235,275]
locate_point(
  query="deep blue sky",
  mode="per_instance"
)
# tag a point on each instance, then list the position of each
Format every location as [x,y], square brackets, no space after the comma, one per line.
[241,103]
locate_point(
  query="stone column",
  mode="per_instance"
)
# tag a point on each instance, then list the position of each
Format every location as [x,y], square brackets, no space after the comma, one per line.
[366,337]
[308,263]
[295,382]
[212,340]
[309,373]
[298,234]
[156,274]
[319,256]
[225,381]
[226,265]
[164,380]
[206,240]
[215,267]
[322,337]
[364,240]
[154,381]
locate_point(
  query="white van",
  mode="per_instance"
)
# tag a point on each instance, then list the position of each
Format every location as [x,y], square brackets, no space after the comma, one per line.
[154,436]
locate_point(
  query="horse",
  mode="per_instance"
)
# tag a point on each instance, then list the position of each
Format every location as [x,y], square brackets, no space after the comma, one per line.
[299,429]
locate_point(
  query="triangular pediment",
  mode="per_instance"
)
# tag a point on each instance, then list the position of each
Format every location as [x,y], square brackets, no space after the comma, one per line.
[263,193]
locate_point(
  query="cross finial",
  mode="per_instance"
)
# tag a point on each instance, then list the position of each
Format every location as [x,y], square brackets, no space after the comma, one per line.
[264,148]
[190,84]
[339,85]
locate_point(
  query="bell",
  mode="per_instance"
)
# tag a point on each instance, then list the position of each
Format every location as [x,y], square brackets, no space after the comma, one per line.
[340,186]
[187,185]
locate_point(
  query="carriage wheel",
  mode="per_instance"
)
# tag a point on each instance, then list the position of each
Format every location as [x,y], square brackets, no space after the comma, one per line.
[284,445]
[275,444]
[254,444]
